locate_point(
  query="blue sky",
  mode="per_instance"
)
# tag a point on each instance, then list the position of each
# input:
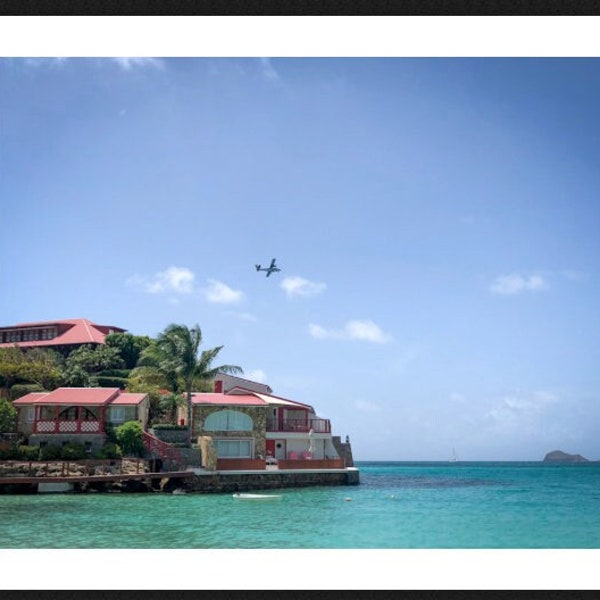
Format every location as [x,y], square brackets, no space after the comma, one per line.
[435,219]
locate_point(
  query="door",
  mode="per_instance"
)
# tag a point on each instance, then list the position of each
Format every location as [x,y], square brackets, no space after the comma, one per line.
[279,449]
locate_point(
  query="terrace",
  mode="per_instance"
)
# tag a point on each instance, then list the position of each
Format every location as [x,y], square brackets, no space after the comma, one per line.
[72,419]
[299,425]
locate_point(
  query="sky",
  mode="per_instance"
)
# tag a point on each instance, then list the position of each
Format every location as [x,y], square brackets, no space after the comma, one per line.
[435,220]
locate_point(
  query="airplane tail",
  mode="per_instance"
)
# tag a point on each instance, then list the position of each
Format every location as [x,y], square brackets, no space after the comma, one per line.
[257,267]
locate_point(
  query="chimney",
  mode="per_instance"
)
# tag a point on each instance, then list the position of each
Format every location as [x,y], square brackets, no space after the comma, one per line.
[218,387]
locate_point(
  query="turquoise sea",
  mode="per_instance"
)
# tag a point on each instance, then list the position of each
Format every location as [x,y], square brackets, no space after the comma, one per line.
[397,505]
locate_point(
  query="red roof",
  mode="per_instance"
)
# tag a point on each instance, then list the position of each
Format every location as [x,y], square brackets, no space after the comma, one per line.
[275,399]
[70,331]
[124,398]
[71,396]
[212,398]
[30,398]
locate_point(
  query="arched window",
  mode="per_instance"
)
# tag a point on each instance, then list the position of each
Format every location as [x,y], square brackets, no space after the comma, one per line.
[228,420]
[70,414]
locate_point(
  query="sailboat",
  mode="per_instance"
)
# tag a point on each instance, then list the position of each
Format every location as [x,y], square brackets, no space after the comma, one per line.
[454,457]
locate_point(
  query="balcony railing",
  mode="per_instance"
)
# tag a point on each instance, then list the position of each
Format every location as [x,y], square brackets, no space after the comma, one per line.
[166,452]
[296,425]
[60,426]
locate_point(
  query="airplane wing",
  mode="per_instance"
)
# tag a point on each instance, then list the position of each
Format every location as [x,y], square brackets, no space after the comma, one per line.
[269,272]
[272,264]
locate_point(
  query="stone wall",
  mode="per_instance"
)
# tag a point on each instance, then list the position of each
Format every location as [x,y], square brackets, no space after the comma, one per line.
[259,425]
[191,457]
[208,452]
[57,439]
[269,480]
[171,436]
[344,450]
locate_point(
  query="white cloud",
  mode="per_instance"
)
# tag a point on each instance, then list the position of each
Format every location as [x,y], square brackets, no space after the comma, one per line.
[318,332]
[298,286]
[178,280]
[521,410]
[267,69]
[219,292]
[128,63]
[517,284]
[352,330]
[257,375]
[365,330]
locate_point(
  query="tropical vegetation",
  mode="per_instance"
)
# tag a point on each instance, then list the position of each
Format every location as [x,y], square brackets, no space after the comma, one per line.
[168,368]
[175,359]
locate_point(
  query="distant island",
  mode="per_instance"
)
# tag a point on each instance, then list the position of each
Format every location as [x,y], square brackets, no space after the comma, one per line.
[558,456]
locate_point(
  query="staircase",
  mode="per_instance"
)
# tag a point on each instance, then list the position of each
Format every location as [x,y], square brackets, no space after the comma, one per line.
[172,457]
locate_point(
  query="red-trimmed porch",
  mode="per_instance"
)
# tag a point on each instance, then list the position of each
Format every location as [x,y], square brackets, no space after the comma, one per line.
[71,419]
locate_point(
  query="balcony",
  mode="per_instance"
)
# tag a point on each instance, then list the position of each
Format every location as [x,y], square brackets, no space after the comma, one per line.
[298,426]
[61,426]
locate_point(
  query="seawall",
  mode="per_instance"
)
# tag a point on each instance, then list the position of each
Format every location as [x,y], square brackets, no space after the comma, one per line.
[244,481]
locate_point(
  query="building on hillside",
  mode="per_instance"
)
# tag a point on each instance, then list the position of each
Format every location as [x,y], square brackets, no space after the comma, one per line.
[249,430]
[63,336]
[224,382]
[77,415]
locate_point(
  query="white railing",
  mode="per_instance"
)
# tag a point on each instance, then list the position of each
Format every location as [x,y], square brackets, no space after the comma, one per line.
[53,426]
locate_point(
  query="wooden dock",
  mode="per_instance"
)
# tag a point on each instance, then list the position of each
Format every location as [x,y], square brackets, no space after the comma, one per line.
[96,478]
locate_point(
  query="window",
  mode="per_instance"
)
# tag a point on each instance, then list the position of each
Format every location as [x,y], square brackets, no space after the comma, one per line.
[30,414]
[228,420]
[117,414]
[234,448]
[68,414]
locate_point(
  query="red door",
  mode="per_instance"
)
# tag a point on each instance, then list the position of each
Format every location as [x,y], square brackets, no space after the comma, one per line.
[270,447]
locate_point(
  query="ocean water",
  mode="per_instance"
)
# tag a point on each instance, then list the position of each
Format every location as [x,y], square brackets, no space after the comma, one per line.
[397,505]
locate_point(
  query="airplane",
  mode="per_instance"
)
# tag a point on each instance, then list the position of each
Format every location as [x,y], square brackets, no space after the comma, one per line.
[270,269]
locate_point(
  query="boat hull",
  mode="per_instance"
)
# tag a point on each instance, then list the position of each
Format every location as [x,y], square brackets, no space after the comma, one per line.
[257,497]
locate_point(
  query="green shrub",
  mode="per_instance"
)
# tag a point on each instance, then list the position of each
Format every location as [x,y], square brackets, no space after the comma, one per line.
[121,373]
[109,450]
[28,453]
[169,426]
[7,453]
[73,451]
[129,437]
[22,389]
[111,435]
[50,452]
[8,416]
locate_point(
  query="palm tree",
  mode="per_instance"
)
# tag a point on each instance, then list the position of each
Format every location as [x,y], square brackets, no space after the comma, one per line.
[176,355]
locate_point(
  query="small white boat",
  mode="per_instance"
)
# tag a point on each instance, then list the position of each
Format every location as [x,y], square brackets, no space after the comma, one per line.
[257,496]
[454,457]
